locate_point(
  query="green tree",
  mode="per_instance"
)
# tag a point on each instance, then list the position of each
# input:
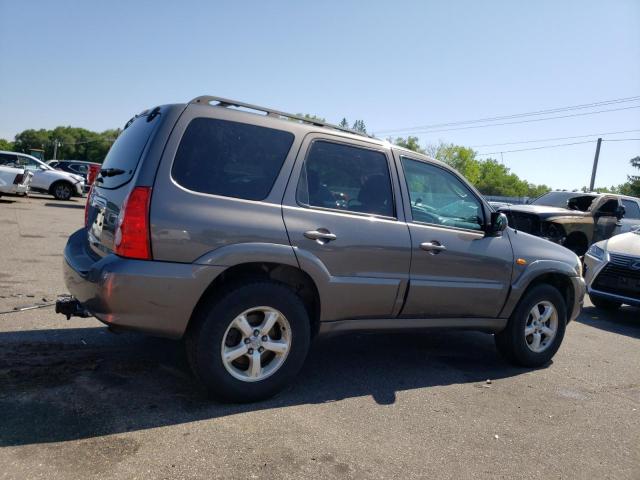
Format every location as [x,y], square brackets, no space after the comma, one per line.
[411,143]
[344,123]
[463,159]
[6,144]
[359,126]
[632,186]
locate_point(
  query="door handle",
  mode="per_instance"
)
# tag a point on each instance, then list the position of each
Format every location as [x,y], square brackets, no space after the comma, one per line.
[320,234]
[433,247]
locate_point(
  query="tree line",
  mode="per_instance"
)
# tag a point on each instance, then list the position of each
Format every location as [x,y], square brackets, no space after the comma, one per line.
[69,143]
[488,175]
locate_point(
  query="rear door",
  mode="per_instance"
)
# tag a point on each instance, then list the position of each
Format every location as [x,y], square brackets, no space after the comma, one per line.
[631,219]
[606,224]
[344,219]
[456,271]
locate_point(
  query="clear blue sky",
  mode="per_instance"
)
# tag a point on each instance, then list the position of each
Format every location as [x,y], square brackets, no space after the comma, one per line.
[394,64]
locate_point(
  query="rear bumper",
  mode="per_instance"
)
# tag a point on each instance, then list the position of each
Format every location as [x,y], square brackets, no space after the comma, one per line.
[15,189]
[149,296]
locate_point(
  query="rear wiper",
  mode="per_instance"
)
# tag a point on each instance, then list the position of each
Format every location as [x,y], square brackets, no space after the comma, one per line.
[111,172]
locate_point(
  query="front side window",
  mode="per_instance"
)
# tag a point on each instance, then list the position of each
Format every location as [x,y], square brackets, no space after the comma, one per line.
[439,197]
[231,159]
[347,178]
[631,209]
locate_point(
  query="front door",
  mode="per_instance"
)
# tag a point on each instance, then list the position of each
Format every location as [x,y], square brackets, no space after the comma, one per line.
[342,219]
[456,270]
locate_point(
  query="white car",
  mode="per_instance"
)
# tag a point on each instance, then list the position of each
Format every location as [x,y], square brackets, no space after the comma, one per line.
[612,271]
[14,181]
[62,185]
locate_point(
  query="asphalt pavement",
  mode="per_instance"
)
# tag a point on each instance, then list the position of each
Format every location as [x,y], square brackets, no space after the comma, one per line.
[77,401]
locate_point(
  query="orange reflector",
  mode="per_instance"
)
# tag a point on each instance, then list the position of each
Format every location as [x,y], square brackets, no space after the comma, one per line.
[521,261]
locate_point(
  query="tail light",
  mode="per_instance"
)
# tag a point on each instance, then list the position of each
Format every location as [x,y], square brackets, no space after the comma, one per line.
[19,179]
[132,233]
[87,206]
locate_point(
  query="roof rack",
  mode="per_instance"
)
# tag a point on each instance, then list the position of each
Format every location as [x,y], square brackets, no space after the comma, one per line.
[225,102]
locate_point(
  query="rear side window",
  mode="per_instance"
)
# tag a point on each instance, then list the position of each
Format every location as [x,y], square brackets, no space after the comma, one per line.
[631,209]
[343,177]
[230,159]
[126,152]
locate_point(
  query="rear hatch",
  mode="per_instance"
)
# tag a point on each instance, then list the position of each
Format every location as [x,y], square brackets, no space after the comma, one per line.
[116,180]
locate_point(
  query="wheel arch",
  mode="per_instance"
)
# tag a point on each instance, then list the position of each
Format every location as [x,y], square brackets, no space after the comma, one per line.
[559,278]
[294,278]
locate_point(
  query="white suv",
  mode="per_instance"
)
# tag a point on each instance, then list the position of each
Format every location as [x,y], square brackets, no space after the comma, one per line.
[61,185]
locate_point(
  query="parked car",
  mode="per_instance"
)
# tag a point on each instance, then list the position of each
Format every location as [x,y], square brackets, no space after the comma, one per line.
[248,235]
[46,179]
[14,181]
[612,271]
[87,170]
[575,220]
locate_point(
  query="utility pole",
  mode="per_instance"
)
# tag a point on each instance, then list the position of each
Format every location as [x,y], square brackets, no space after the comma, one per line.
[55,149]
[595,165]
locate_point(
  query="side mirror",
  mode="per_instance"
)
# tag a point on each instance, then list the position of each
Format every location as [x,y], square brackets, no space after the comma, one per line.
[620,211]
[498,224]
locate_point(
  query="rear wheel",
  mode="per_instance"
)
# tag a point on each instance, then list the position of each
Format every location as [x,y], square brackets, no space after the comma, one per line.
[62,190]
[604,304]
[250,343]
[536,328]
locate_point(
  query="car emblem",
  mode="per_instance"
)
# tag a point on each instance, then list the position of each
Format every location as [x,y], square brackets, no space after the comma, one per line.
[635,265]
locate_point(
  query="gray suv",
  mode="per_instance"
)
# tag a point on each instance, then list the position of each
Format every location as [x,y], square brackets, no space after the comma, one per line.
[248,232]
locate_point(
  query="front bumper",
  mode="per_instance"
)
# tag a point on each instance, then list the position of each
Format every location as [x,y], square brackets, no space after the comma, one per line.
[579,290]
[79,188]
[593,266]
[149,296]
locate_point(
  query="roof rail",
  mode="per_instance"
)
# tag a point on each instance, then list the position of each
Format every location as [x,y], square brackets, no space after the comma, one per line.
[225,102]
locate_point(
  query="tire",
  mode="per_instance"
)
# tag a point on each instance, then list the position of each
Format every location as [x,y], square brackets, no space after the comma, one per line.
[216,322]
[62,190]
[518,348]
[604,304]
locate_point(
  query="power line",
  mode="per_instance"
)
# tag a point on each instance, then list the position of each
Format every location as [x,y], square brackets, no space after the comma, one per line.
[517,115]
[516,122]
[621,140]
[538,148]
[553,139]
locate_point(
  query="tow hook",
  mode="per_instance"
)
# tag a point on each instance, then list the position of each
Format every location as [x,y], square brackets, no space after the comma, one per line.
[69,306]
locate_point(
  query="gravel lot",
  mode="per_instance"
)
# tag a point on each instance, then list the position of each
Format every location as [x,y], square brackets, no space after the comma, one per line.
[79,402]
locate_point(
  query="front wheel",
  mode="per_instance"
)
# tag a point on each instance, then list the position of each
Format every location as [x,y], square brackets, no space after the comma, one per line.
[536,328]
[62,191]
[250,343]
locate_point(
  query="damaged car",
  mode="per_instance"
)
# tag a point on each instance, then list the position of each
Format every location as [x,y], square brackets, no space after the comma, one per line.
[576,220]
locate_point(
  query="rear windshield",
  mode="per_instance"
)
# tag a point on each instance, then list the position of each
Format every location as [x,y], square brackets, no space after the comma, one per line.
[126,151]
[229,158]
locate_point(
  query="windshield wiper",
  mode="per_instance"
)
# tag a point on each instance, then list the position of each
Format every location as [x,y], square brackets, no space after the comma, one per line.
[111,172]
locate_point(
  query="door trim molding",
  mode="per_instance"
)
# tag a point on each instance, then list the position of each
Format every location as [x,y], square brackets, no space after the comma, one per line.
[490,325]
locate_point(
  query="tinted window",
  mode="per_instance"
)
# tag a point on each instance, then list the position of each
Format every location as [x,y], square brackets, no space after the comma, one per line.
[346,178]
[631,209]
[9,160]
[439,197]
[561,200]
[126,151]
[230,159]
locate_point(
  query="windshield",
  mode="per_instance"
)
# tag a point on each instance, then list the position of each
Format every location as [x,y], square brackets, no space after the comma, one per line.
[571,200]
